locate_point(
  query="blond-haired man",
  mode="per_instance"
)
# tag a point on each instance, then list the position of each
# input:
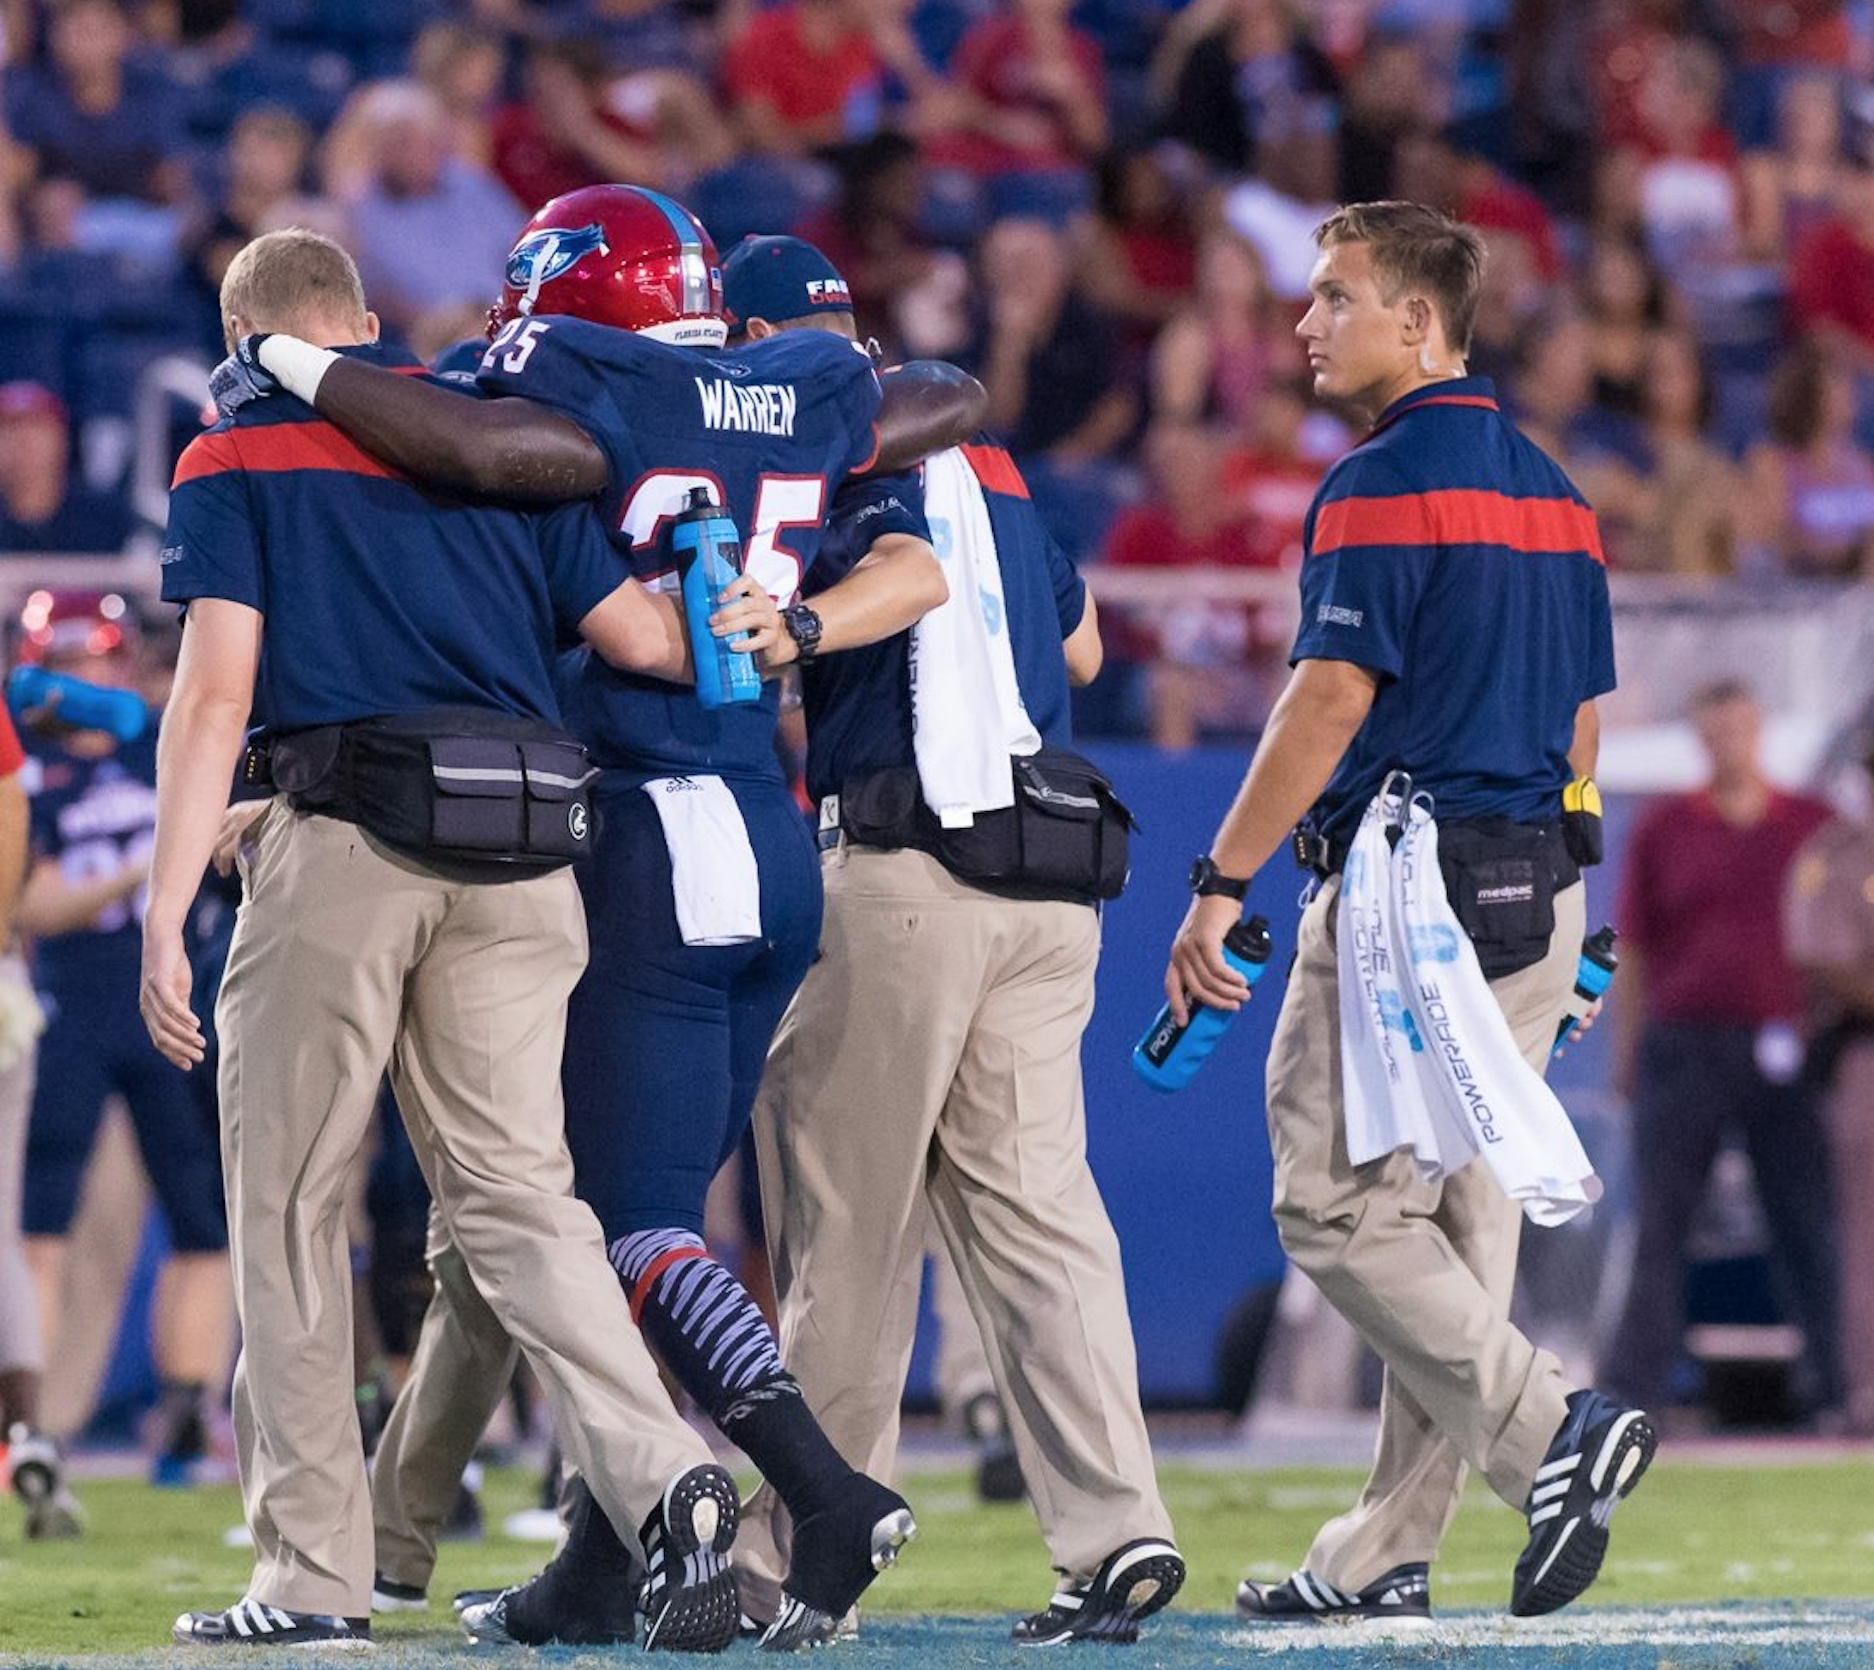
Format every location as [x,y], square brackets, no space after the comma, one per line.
[406,906]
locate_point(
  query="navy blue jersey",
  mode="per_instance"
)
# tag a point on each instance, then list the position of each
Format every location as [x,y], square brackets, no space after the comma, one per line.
[91,817]
[1450,555]
[858,702]
[771,427]
[380,597]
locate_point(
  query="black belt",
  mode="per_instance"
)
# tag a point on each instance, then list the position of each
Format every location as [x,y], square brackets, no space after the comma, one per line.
[1315,851]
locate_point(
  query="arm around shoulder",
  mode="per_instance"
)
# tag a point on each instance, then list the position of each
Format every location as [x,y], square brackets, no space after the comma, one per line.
[928,405]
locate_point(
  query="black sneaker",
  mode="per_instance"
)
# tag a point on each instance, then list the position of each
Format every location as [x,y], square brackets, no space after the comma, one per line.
[390,1596]
[836,1554]
[247,1623]
[1404,1593]
[689,1596]
[1133,1582]
[465,1598]
[998,1472]
[585,1596]
[1597,1456]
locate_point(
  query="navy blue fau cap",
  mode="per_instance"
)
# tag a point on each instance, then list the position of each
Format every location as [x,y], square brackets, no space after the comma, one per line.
[780,278]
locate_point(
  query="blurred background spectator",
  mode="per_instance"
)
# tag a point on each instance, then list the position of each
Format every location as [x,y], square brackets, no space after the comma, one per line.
[41,509]
[428,228]
[1811,487]
[1711,1053]
[1103,206]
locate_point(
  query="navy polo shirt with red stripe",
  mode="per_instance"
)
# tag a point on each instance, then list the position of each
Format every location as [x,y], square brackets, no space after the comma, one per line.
[860,717]
[1451,556]
[380,597]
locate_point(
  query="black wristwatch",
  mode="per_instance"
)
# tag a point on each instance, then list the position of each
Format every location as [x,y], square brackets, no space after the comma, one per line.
[803,626]
[1207,881]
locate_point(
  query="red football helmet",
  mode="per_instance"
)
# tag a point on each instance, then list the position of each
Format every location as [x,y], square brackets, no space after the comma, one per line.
[621,256]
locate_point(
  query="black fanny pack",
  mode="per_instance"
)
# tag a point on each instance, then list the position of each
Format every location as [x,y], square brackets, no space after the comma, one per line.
[449,784]
[1501,879]
[1068,834]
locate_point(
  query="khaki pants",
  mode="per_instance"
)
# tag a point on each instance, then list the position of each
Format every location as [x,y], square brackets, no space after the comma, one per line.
[347,957]
[463,1365]
[931,1064]
[1423,1272]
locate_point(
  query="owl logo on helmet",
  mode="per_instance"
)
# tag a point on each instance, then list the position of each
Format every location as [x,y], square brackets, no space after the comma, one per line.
[542,256]
[621,256]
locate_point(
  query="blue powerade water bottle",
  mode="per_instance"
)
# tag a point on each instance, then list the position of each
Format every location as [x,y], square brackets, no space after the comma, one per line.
[1169,1054]
[1593,975]
[709,556]
[83,706]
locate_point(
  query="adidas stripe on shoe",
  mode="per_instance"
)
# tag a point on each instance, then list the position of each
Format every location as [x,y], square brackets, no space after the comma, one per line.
[249,1623]
[1598,1454]
[690,1600]
[1402,1595]
[1133,1582]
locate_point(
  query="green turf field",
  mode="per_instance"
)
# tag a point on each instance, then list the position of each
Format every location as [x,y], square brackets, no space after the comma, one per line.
[1692,1537]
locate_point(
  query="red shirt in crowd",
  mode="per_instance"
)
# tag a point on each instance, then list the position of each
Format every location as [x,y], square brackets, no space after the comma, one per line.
[1831,282]
[772,60]
[1497,203]
[534,167]
[12,756]
[997,63]
[1703,899]
[1794,32]
[1276,491]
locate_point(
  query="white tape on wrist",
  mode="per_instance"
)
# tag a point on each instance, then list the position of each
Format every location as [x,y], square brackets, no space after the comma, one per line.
[299,366]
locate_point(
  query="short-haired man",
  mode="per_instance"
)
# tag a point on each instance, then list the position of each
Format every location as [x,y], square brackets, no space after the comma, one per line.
[372,609]
[929,1067]
[1455,626]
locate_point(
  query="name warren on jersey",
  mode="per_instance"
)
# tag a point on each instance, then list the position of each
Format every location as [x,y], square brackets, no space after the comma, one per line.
[772,427]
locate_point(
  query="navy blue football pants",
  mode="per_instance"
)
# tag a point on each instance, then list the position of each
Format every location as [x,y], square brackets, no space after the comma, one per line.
[666,1042]
[94,1046]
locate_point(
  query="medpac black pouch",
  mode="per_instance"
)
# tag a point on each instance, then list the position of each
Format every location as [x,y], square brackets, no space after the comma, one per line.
[1066,833]
[1073,831]
[449,785]
[1501,879]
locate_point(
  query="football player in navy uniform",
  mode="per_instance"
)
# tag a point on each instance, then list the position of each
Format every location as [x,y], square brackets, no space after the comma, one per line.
[93,817]
[703,896]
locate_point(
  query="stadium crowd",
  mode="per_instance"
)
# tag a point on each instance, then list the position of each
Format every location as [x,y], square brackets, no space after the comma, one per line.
[1095,206]
[1100,209]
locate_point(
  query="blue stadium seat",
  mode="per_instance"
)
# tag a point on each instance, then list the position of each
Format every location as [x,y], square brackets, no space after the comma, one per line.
[310,81]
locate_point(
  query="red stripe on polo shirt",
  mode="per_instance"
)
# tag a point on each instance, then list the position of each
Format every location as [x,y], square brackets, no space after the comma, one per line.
[285,446]
[1458,516]
[996,470]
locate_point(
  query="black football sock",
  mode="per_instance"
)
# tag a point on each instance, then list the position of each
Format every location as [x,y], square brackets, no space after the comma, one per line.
[720,1348]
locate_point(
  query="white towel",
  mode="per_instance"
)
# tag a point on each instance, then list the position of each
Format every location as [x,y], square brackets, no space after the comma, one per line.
[713,873]
[1428,1062]
[967,712]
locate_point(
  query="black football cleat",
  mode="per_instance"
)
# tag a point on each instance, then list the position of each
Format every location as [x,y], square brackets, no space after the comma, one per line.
[1597,1456]
[585,1596]
[1133,1582]
[836,1554]
[1403,1595]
